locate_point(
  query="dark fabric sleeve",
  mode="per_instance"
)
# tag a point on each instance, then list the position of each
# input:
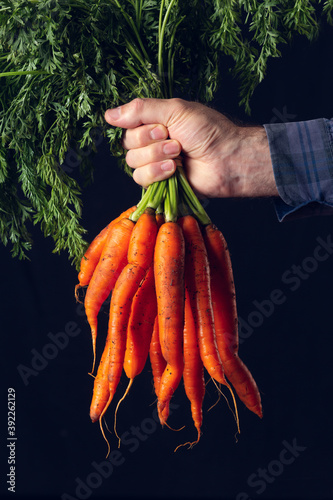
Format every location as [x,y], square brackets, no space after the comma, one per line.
[302,158]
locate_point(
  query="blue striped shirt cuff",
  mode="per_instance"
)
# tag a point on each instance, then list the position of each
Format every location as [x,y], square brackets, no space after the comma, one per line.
[302,158]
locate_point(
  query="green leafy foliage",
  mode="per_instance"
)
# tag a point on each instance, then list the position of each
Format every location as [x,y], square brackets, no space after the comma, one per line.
[64,62]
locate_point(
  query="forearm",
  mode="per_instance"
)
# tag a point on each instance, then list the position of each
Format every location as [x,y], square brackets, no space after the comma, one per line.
[247,165]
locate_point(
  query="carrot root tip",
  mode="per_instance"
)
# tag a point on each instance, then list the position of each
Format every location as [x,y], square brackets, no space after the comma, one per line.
[175,430]
[189,443]
[117,407]
[235,413]
[104,436]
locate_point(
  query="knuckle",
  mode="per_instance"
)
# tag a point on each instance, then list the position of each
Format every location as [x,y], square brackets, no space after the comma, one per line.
[137,104]
[177,101]
[180,110]
[178,105]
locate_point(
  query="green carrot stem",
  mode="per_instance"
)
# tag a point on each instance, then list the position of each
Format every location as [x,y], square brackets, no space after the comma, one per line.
[174,198]
[142,205]
[19,73]
[152,198]
[183,207]
[132,25]
[171,200]
[177,196]
[160,48]
[189,209]
[156,199]
[138,13]
[191,198]
[161,33]
[171,57]
[160,209]
[167,207]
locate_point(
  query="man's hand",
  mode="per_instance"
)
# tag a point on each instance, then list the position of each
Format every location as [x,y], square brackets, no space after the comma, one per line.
[221,159]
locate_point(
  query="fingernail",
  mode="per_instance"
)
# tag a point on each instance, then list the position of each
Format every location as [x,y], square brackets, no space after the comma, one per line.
[113,114]
[157,133]
[167,166]
[171,148]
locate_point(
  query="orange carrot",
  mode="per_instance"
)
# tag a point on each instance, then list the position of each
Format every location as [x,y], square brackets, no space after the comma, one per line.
[141,323]
[226,321]
[139,333]
[157,361]
[197,279]
[140,326]
[169,283]
[92,255]
[194,381]
[140,257]
[113,260]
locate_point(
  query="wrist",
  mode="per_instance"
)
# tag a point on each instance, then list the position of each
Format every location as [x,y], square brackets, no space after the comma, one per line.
[250,167]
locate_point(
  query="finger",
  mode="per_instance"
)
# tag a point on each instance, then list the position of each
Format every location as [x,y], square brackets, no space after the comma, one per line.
[156,152]
[143,111]
[144,135]
[154,172]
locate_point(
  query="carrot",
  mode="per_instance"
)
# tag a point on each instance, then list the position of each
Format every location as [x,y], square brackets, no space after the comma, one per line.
[194,381]
[169,283]
[226,320]
[197,280]
[157,361]
[141,323]
[140,257]
[92,255]
[139,333]
[113,260]
[140,326]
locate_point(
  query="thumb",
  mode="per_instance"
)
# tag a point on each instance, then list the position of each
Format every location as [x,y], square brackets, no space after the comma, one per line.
[142,111]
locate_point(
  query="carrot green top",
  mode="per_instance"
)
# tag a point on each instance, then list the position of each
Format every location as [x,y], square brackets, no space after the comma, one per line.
[64,62]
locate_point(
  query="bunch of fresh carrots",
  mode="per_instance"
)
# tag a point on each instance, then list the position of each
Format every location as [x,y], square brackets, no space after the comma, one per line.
[173,301]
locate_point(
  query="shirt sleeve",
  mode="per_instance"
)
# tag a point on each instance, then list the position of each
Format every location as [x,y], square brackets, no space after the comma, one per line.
[302,158]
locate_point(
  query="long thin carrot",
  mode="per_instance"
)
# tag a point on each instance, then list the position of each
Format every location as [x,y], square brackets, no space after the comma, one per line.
[157,361]
[140,326]
[169,283]
[112,262]
[226,321]
[140,257]
[197,279]
[139,332]
[141,322]
[194,380]
[92,255]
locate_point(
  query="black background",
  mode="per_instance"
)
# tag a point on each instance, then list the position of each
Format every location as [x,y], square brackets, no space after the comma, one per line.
[288,351]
